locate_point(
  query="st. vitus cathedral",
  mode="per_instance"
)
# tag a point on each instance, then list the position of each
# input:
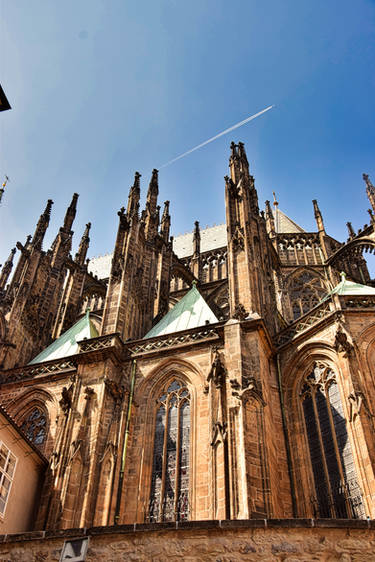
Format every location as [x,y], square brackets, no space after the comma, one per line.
[224,374]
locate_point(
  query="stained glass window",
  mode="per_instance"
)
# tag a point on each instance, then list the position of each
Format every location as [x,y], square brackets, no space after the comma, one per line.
[337,492]
[169,498]
[305,290]
[35,426]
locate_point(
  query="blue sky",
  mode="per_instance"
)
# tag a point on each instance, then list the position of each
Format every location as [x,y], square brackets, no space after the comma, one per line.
[100,89]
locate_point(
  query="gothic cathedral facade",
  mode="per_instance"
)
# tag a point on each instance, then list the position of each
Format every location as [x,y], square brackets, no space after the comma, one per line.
[226,374]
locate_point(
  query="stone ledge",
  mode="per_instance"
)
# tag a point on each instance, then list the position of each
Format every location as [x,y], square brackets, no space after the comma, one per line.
[193,526]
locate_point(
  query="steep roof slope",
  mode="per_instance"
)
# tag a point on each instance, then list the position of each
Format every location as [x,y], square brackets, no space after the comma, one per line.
[66,344]
[190,312]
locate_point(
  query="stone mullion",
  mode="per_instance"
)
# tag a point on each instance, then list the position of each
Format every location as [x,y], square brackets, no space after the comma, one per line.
[264,460]
[337,452]
[295,253]
[164,460]
[317,422]
[177,469]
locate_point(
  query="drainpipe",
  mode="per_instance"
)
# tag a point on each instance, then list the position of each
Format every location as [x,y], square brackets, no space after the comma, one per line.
[124,447]
[286,437]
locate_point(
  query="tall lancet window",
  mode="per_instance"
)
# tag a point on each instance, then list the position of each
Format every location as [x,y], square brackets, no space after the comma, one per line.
[337,492]
[169,498]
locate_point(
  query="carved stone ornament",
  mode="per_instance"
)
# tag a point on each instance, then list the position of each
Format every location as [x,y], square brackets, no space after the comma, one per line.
[218,372]
[115,390]
[357,400]
[239,312]
[238,239]
[342,344]
[89,393]
[253,389]
[66,399]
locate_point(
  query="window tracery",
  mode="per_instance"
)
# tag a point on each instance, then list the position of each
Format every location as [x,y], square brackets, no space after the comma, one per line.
[35,426]
[337,492]
[306,291]
[169,498]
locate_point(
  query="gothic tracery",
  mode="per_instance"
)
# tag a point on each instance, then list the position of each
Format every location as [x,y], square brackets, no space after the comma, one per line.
[337,492]
[169,498]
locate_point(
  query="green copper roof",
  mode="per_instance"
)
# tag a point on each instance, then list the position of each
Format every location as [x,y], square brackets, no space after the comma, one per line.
[66,344]
[346,287]
[190,312]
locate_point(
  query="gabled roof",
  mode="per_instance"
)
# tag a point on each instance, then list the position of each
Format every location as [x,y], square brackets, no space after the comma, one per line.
[190,312]
[346,287]
[283,224]
[66,344]
[212,237]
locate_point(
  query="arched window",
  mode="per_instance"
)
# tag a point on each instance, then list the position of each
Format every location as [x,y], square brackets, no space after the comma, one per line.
[34,426]
[305,291]
[169,498]
[337,492]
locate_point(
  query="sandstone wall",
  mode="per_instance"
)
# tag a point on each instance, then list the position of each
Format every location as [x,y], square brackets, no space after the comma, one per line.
[273,540]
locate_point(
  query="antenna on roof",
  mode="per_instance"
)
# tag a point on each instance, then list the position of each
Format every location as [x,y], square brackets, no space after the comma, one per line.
[3,187]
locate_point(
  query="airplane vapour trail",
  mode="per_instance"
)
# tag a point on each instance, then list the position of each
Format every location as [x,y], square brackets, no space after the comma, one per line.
[218,135]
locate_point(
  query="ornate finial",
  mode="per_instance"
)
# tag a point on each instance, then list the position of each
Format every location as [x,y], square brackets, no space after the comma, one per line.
[241,151]
[233,148]
[48,208]
[194,283]
[350,229]
[343,276]
[367,180]
[275,202]
[165,210]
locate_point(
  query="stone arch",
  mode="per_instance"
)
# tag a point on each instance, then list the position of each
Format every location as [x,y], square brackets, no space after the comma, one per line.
[349,258]
[256,458]
[181,277]
[103,501]
[149,392]
[218,301]
[323,464]
[71,513]
[36,399]
[304,288]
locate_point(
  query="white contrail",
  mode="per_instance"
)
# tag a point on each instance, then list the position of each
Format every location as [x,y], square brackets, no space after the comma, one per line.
[218,135]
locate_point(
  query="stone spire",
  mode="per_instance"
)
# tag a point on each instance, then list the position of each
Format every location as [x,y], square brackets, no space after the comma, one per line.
[42,226]
[165,222]
[350,230]
[240,178]
[83,246]
[62,244]
[370,190]
[7,268]
[70,213]
[318,217]
[196,240]
[134,196]
[152,209]
[153,191]
[270,221]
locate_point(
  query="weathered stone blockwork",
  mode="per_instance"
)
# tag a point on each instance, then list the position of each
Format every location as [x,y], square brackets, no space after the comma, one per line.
[207,541]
